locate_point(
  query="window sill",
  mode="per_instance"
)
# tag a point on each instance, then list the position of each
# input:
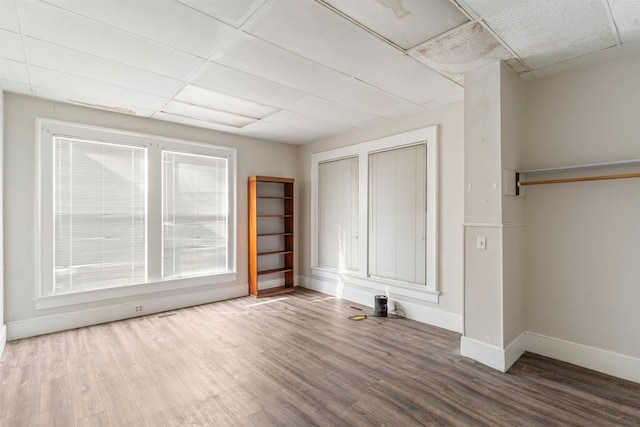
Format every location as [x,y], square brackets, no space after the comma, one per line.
[93,295]
[382,286]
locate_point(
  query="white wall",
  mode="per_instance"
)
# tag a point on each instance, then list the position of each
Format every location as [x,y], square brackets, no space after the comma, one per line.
[3,329]
[450,121]
[255,157]
[483,206]
[494,283]
[512,102]
[583,239]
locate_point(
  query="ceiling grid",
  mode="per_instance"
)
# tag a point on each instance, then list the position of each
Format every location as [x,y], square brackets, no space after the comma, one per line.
[293,70]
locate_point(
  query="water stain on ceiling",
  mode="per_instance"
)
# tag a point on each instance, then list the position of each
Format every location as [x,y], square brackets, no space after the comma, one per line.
[462,50]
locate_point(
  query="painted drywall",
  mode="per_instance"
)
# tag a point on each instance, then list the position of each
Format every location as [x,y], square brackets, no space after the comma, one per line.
[493,271]
[512,102]
[582,239]
[450,121]
[254,157]
[483,206]
[3,328]
[482,133]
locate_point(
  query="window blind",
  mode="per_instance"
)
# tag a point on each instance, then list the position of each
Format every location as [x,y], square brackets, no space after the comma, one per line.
[195,214]
[100,214]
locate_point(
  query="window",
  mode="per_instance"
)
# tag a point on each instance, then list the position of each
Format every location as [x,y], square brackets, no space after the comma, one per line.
[118,209]
[99,214]
[374,214]
[195,214]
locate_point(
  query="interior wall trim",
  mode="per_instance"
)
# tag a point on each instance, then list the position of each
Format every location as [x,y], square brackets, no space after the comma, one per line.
[597,359]
[493,356]
[3,339]
[413,308]
[76,319]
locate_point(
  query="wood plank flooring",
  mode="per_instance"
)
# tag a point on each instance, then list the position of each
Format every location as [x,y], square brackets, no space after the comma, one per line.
[293,360]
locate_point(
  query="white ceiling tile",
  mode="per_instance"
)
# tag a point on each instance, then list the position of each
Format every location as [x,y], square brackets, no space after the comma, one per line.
[305,122]
[361,96]
[252,55]
[332,111]
[193,122]
[67,29]
[233,12]
[542,38]
[246,86]
[15,87]
[14,71]
[73,62]
[62,95]
[460,51]
[164,21]
[405,23]
[485,8]
[313,31]
[197,112]
[196,95]
[626,15]
[407,78]
[282,133]
[445,100]
[11,46]
[9,16]
[413,109]
[110,97]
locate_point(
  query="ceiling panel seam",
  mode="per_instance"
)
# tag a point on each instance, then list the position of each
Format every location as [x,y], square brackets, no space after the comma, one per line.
[612,23]
[155,42]
[359,24]
[24,49]
[252,14]
[504,44]
[305,58]
[466,9]
[393,95]
[97,57]
[198,70]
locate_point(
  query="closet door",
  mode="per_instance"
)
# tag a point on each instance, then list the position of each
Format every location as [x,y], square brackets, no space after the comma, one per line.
[338,214]
[397,214]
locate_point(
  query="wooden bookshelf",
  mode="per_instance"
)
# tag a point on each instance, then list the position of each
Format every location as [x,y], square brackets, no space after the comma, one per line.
[270,236]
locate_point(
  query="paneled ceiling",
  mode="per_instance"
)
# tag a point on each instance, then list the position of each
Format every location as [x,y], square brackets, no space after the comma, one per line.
[293,70]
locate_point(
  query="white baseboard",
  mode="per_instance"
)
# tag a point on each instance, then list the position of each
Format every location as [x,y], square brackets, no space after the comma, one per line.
[75,319]
[608,362]
[413,309]
[493,356]
[514,350]
[484,353]
[3,339]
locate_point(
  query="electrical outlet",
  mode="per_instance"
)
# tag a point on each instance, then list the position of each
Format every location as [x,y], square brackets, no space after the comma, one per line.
[481,243]
[138,309]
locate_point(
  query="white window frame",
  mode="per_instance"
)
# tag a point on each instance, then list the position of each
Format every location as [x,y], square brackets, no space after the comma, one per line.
[46,130]
[428,293]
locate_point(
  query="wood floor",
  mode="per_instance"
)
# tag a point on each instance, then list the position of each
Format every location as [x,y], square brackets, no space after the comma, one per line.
[289,361]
